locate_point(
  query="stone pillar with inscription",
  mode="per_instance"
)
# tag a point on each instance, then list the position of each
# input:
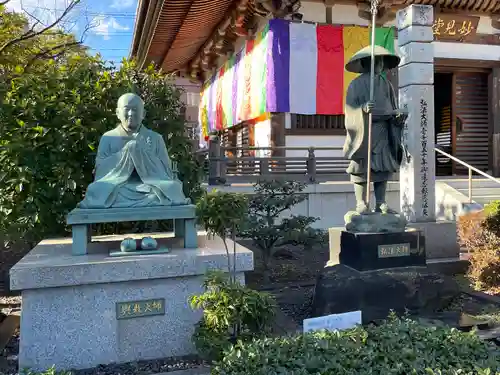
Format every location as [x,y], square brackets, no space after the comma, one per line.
[416,94]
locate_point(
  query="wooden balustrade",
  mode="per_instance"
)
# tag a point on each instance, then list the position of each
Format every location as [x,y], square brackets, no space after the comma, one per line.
[250,164]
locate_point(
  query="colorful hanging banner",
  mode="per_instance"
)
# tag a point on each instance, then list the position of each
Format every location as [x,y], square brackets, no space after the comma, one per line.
[288,67]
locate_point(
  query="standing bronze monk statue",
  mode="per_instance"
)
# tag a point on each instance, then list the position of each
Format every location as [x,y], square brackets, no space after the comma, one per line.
[387,150]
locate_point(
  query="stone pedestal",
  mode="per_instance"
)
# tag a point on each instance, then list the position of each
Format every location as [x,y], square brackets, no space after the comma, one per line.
[416,94]
[371,251]
[79,312]
[81,221]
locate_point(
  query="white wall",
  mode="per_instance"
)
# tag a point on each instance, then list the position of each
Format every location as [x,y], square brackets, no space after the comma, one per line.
[321,198]
[315,141]
[466,51]
[262,137]
[345,14]
[190,97]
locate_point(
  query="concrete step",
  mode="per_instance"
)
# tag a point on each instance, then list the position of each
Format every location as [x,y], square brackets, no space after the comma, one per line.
[481,195]
[481,191]
[476,182]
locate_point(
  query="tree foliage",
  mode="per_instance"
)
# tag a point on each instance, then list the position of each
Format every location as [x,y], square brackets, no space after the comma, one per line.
[50,124]
[223,214]
[231,312]
[25,46]
[268,229]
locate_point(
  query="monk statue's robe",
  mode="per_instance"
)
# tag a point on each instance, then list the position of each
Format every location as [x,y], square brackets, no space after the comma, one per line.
[133,171]
[387,150]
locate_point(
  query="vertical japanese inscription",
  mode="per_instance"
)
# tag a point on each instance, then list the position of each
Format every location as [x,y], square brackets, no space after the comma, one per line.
[405,128]
[424,167]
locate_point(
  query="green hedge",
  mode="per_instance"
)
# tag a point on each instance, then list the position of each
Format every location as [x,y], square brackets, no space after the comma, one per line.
[399,347]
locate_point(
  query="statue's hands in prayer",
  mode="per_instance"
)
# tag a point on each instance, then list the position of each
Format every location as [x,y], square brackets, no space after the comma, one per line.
[131,145]
[368,107]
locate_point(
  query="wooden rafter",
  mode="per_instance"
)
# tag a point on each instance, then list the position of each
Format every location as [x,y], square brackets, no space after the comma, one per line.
[214,46]
[240,22]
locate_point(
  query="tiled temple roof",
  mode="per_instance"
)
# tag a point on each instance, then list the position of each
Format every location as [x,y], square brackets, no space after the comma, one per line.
[188,35]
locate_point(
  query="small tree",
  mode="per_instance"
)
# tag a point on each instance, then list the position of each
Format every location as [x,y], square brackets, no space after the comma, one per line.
[223,215]
[230,310]
[265,227]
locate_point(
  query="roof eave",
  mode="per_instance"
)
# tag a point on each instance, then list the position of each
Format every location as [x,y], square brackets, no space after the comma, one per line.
[141,10]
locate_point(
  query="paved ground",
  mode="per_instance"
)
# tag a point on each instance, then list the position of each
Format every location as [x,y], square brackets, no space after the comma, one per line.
[193,371]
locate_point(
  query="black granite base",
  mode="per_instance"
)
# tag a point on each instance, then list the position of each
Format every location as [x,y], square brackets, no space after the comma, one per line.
[341,289]
[371,251]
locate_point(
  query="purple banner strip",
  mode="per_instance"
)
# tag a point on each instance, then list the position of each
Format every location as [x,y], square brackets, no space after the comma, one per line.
[234,90]
[278,67]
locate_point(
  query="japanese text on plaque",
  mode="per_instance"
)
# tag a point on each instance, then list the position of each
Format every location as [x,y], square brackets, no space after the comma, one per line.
[456,27]
[391,251]
[136,309]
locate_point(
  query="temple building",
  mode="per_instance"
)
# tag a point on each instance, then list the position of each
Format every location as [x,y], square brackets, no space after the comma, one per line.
[272,73]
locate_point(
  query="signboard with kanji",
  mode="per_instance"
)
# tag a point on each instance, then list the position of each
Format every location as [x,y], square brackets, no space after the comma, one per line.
[454,27]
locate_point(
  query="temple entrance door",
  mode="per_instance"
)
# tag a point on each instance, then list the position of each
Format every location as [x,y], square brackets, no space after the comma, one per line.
[472,130]
[461,120]
[443,83]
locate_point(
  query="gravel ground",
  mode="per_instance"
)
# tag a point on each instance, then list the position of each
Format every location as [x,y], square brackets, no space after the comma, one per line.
[8,358]
[146,367]
[293,266]
[8,364]
[295,302]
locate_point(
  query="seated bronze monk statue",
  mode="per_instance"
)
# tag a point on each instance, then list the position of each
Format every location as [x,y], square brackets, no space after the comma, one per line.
[133,168]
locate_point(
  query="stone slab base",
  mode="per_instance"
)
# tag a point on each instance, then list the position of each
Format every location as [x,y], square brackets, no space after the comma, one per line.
[139,252]
[440,240]
[448,266]
[341,289]
[69,316]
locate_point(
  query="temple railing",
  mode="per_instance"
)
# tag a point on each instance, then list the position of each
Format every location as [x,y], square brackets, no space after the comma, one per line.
[470,169]
[246,164]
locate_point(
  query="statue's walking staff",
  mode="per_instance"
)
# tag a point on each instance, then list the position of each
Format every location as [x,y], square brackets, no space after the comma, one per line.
[373,8]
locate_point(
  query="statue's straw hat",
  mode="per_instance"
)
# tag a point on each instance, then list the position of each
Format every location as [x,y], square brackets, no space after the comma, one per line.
[355,64]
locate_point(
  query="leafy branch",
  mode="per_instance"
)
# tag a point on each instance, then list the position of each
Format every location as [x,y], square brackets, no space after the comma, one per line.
[31,33]
[58,50]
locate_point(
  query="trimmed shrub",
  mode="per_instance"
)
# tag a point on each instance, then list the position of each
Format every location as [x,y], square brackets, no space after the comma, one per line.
[399,347]
[231,312]
[471,234]
[479,232]
[492,217]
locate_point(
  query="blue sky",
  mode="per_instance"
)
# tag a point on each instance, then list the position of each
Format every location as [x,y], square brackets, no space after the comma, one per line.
[107,25]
